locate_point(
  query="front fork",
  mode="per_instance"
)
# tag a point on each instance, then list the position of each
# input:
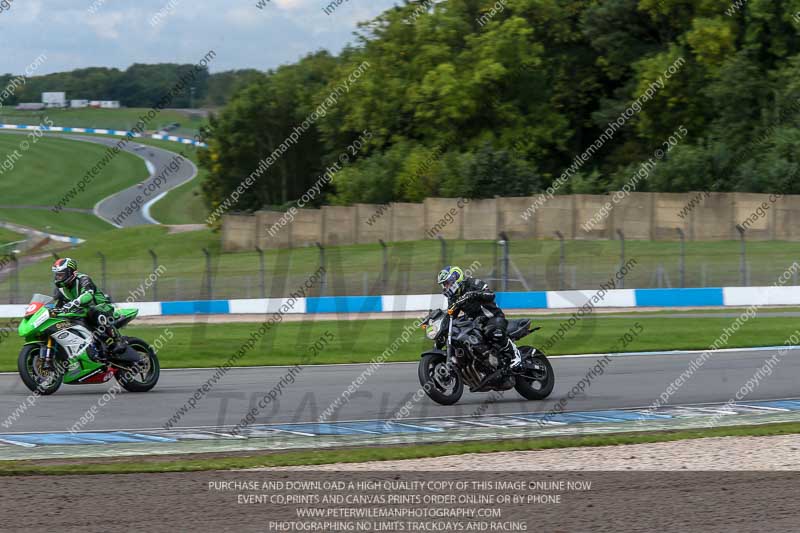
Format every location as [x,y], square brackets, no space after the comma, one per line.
[450,365]
[450,344]
[48,353]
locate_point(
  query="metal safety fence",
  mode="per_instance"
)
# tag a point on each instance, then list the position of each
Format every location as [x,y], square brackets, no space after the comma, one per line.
[408,268]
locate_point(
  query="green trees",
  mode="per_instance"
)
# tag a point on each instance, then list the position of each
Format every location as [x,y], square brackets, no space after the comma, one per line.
[502,107]
[257,122]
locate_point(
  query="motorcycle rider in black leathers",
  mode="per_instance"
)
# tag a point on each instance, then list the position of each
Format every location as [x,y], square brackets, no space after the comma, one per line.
[475,299]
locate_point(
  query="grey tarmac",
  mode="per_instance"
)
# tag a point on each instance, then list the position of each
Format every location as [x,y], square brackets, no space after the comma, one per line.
[628,381]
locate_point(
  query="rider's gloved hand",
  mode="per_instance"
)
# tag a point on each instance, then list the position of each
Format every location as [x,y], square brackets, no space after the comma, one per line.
[464,299]
[71,306]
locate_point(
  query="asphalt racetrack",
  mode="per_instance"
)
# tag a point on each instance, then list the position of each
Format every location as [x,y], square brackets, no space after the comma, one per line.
[138,197]
[627,381]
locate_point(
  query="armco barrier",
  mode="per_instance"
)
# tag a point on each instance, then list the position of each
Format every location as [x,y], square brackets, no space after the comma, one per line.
[100,131]
[644,298]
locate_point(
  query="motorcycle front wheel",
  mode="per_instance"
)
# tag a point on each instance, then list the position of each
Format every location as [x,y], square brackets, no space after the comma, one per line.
[31,369]
[441,386]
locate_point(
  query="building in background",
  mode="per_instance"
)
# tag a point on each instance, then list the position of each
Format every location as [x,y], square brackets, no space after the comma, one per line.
[105,104]
[54,99]
[76,104]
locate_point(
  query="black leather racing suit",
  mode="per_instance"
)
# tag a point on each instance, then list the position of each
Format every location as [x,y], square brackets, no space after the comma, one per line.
[476,300]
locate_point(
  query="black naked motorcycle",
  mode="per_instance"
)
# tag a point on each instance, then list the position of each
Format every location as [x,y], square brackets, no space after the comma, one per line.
[461,355]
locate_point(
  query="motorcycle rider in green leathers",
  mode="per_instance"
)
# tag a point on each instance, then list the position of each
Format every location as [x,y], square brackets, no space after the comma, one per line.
[75,292]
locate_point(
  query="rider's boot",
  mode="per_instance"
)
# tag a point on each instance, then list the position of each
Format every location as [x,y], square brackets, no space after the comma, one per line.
[107,343]
[513,352]
[97,351]
[116,345]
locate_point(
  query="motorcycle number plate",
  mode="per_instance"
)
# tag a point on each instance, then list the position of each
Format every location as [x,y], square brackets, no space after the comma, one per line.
[41,319]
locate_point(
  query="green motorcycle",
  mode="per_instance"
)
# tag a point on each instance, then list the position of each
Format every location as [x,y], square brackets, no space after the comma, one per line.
[63,339]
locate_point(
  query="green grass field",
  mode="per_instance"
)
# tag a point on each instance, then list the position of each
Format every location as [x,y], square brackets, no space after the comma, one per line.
[118,119]
[212,345]
[48,170]
[8,236]
[51,166]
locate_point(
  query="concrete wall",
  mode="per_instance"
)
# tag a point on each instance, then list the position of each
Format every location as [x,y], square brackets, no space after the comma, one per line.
[407,222]
[481,219]
[667,216]
[787,218]
[372,222]
[639,215]
[338,225]
[239,232]
[444,217]
[714,219]
[512,223]
[634,217]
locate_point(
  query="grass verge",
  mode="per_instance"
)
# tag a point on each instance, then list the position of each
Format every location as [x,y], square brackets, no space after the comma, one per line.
[211,345]
[357,455]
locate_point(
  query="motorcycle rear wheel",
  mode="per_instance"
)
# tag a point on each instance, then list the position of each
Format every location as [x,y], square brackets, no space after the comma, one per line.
[541,387]
[147,377]
[431,368]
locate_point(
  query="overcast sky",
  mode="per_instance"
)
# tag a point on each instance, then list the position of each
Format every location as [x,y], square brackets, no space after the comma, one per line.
[122,32]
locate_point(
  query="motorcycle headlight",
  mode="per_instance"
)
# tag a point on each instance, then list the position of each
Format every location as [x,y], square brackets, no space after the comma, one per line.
[433,330]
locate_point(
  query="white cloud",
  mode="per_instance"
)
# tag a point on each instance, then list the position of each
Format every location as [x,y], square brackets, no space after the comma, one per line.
[105,24]
[292,4]
[25,12]
[242,16]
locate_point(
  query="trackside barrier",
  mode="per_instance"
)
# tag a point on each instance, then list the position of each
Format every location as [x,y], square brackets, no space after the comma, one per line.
[100,131]
[644,298]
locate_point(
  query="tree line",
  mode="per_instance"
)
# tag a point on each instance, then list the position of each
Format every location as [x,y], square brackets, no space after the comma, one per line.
[139,85]
[476,98]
